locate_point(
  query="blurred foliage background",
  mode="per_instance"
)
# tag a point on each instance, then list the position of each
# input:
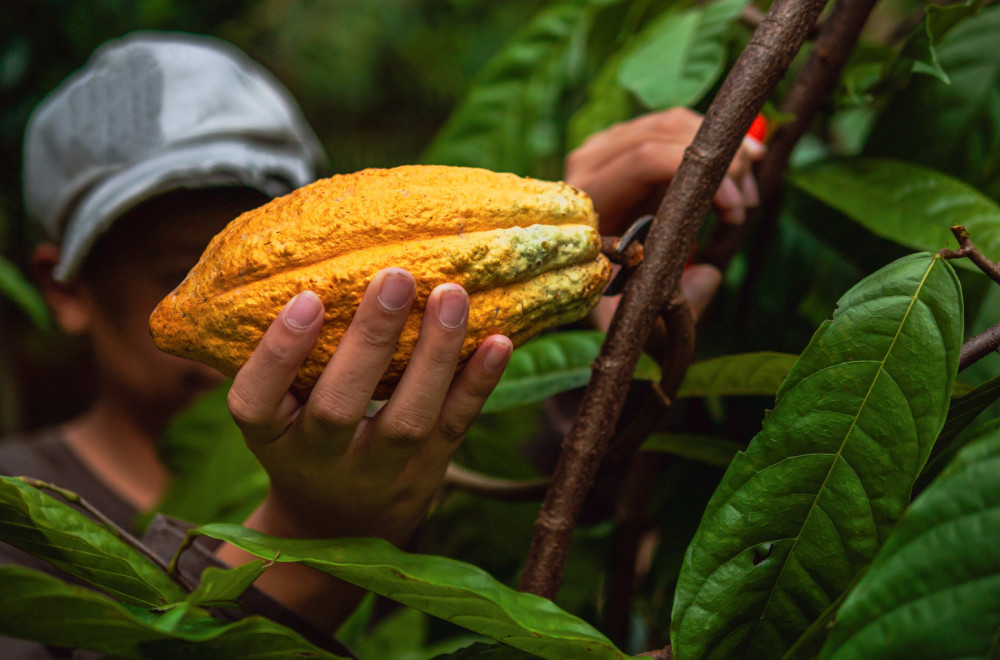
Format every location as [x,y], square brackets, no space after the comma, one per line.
[375,78]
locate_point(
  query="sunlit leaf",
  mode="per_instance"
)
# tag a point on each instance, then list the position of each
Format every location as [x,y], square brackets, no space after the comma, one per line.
[681,55]
[555,363]
[457,592]
[49,529]
[906,203]
[933,592]
[819,488]
[39,607]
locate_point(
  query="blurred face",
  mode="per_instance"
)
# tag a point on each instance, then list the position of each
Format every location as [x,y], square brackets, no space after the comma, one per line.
[137,263]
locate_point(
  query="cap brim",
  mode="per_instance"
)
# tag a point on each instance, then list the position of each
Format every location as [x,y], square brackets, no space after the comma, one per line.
[272,170]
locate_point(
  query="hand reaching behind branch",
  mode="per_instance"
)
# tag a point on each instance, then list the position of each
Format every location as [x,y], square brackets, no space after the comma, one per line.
[626,170]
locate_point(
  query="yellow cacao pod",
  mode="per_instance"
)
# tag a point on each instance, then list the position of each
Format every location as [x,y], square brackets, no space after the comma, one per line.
[526,251]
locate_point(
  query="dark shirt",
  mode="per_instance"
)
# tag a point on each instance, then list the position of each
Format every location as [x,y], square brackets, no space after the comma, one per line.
[46,456]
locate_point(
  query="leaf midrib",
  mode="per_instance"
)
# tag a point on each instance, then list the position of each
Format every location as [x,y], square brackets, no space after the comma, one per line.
[833,463]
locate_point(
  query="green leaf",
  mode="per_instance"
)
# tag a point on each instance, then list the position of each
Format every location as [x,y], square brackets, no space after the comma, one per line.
[607,103]
[704,449]
[75,617]
[555,363]
[510,119]
[19,290]
[53,531]
[906,203]
[737,375]
[933,591]
[213,476]
[222,587]
[956,432]
[922,47]
[487,652]
[952,128]
[681,55]
[808,504]
[451,590]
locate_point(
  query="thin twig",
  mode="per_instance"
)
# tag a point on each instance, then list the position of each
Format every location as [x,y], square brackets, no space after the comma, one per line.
[492,487]
[980,346]
[966,249]
[108,524]
[657,279]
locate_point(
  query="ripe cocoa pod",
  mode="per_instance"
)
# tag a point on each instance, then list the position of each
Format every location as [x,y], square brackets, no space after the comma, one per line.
[527,252]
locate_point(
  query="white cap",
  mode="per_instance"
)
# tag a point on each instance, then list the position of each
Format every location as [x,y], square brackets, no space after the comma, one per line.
[150,113]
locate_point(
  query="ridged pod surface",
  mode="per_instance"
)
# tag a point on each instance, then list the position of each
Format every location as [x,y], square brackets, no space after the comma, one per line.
[526,251]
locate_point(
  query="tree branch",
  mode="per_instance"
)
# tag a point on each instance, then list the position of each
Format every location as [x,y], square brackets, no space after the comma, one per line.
[980,346]
[966,249]
[657,279]
[812,87]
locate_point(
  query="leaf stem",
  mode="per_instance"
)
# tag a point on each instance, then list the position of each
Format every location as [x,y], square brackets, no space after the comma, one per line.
[108,524]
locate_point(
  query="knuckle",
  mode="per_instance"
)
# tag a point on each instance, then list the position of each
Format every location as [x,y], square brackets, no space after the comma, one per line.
[243,412]
[406,429]
[375,339]
[331,410]
[278,350]
[453,429]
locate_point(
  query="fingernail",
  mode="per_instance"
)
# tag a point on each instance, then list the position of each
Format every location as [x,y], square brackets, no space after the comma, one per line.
[452,307]
[755,148]
[396,290]
[751,196]
[303,310]
[497,354]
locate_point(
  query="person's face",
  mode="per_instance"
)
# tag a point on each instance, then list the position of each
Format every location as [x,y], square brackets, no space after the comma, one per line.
[135,265]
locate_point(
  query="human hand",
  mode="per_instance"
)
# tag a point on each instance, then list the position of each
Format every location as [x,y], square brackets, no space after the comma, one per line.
[626,168]
[333,471]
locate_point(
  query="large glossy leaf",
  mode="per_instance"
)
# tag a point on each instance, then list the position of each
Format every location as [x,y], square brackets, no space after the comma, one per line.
[16,288]
[951,127]
[457,592]
[737,375]
[510,120]
[681,55]
[906,203]
[933,592]
[555,363]
[213,476]
[39,607]
[819,488]
[53,531]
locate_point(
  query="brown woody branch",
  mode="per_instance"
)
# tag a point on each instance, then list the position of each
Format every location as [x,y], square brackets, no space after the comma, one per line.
[966,249]
[812,87]
[657,279]
[980,346]
[987,341]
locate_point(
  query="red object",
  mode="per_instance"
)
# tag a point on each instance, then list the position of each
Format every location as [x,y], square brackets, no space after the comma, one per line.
[758,129]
